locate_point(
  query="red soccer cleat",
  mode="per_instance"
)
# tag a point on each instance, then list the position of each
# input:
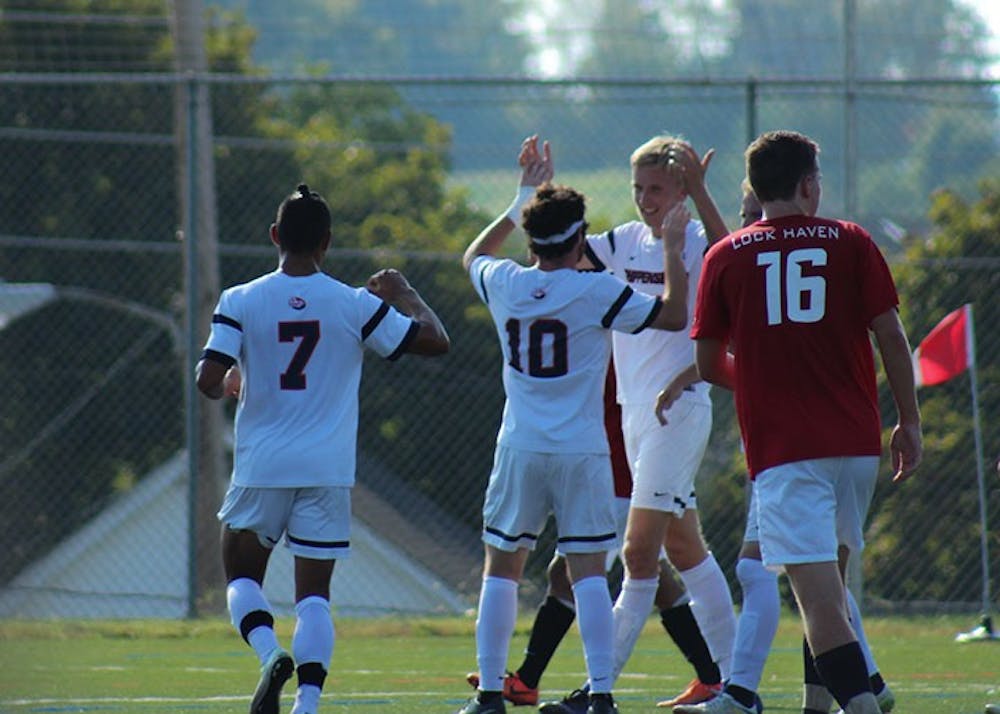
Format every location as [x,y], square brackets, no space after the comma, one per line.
[695,693]
[514,690]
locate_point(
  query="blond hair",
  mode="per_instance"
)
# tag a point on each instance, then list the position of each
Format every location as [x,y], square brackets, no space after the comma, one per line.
[654,152]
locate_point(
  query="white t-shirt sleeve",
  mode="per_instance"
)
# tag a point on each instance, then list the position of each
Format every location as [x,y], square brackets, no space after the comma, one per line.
[600,249]
[225,338]
[384,329]
[484,271]
[624,309]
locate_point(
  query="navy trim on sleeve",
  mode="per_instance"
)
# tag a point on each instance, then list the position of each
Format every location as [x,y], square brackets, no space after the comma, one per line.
[613,311]
[218,319]
[405,342]
[657,306]
[611,239]
[599,265]
[370,326]
[482,284]
[220,357]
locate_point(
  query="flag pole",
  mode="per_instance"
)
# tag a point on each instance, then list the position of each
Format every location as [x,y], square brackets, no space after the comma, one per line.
[980,478]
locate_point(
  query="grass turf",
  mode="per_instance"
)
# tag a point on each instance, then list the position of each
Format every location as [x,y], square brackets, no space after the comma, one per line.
[395,666]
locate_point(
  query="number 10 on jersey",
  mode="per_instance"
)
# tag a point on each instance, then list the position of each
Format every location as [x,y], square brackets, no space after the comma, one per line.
[548,353]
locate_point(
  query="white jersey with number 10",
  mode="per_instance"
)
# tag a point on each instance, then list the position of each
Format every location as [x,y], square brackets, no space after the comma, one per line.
[555,329]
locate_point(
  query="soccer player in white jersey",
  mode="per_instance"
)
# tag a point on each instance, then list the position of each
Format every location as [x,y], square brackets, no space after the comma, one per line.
[553,323]
[290,344]
[664,456]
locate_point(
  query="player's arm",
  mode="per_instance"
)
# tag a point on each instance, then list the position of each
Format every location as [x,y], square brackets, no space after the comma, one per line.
[716,365]
[536,169]
[906,442]
[431,338]
[217,376]
[672,392]
[693,169]
[673,312]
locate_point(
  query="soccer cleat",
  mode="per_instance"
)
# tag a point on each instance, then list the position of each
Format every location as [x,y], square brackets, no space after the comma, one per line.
[474,706]
[514,690]
[720,704]
[696,693]
[981,633]
[602,703]
[885,698]
[576,702]
[273,675]
[993,709]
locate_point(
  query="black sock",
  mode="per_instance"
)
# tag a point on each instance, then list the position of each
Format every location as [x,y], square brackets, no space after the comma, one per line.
[552,622]
[816,698]
[741,694]
[683,629]
[844,672]
[809,673]
[489,697]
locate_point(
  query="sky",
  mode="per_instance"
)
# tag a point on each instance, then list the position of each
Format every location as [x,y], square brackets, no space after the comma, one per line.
[990,12]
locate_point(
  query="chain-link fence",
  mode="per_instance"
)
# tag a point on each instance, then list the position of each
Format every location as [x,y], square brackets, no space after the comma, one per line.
[101,172]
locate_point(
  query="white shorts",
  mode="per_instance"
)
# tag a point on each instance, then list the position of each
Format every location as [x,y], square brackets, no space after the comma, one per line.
[805,509]
[621,520]
[752,533]
[526,486]
[316,522]
[666,458]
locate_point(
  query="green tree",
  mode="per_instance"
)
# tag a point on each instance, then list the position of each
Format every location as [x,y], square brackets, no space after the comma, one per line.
[95,161]
[955,264]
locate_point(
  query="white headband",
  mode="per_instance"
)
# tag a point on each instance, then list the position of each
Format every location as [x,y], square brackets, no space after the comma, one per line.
[559,237]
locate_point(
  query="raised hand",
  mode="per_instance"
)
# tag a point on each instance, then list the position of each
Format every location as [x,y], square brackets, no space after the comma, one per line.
[536,167]
[689,167]
[674,228]
[389,284]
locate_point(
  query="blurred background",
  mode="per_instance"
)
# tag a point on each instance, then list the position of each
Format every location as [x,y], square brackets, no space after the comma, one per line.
[146,145]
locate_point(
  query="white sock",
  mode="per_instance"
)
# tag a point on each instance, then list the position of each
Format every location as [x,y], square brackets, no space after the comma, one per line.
[712,606]
[596,623]
[244,597]
[494,628]
[631,611]
[864,703]
[757,623]
[306,699]
[854,612]
[314,637]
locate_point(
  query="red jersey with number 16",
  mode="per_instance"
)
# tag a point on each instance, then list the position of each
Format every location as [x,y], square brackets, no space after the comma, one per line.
[794,298]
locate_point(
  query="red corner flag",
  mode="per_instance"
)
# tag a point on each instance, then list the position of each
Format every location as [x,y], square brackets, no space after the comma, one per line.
[947,350]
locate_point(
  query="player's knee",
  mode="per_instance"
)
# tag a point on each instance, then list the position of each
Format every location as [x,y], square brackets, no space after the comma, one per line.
[751,572]
[559,583]
[641,561]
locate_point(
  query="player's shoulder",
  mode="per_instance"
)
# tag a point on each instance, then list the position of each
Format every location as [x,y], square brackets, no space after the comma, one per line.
[839,224]
[242,290]
[630,232]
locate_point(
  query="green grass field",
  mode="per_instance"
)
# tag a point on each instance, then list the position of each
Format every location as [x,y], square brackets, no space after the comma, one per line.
[411,666]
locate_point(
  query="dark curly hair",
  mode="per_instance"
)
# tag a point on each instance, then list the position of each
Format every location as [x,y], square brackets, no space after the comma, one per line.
[553,209]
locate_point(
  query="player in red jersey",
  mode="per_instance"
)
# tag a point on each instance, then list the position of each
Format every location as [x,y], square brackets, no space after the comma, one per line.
[796,296]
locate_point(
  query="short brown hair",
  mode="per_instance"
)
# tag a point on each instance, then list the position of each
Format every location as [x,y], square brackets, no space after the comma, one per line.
[777,160]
